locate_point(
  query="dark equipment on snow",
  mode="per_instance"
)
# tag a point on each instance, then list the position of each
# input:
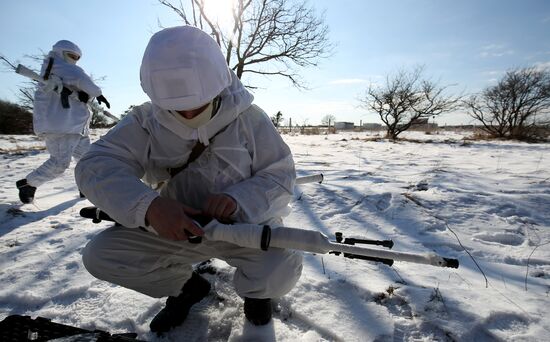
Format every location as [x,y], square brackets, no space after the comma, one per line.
[16,328]
[263,237]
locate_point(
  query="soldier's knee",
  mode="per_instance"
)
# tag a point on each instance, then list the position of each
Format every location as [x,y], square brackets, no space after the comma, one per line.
[274,277]
[90,259]
[60,165]
[287,272]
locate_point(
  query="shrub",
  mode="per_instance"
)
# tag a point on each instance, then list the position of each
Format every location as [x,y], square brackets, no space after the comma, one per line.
[14,119]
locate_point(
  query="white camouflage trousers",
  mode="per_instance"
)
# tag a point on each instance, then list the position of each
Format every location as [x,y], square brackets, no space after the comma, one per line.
[147,263]
[62,147]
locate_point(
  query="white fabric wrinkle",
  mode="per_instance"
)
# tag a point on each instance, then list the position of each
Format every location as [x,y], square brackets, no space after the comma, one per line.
[203,135]
[230,161]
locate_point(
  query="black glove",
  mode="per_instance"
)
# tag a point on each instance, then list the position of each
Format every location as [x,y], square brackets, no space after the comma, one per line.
[65,92]
[102,98]
[83,96]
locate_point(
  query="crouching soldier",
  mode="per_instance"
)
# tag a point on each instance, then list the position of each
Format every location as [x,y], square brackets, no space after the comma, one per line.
[216,154]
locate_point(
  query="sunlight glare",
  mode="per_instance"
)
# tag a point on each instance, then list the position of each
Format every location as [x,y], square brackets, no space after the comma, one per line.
[220,11]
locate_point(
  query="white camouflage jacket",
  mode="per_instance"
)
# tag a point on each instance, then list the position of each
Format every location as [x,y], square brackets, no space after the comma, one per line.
[246,159]
[49,116]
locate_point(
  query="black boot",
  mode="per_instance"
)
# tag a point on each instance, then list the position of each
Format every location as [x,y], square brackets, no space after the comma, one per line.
[257,311]
[177,308]
[26,191]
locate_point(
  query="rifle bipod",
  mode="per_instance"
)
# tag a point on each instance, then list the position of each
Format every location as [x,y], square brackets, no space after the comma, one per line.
[352,241]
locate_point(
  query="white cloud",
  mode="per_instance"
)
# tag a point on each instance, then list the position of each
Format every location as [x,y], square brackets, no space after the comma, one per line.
[542,66]
[495,50]
[493,73]
[493,47]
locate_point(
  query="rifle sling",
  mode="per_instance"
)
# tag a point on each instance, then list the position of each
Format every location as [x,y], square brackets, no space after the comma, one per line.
[48,69]
[199,147]
[65,92]
[195,153]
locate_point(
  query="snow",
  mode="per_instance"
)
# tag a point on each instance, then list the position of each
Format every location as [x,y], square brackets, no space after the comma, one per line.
[486,203]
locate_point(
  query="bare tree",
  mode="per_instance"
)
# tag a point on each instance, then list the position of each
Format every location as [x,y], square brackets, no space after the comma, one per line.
[328,119]
[406,99]
[516,107]
[266,37]
[99,119]
[277,119]
[25,95]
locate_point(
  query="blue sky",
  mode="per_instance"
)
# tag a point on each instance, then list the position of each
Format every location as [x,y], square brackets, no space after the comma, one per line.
[465,43]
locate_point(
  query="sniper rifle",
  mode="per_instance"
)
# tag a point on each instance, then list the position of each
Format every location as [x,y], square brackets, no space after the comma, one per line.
[263,237]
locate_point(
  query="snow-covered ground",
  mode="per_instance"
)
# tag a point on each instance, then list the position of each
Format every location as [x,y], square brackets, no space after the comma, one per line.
[486,203]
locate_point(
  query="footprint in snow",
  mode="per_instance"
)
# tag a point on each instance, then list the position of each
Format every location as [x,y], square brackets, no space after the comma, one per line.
[509,239]
[508,210]
[381,202]
[499,326]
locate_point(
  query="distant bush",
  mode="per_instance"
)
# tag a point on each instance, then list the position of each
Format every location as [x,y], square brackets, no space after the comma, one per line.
[517,107]
[99,120]
[14,119]
[310,131]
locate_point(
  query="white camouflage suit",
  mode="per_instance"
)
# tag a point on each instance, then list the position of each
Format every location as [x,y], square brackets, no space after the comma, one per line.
[64,130]
[246,158]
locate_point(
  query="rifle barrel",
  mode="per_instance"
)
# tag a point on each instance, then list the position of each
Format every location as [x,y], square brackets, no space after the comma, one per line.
[428,259]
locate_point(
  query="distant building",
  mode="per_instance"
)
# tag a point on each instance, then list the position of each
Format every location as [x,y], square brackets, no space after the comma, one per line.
[344,125]
[420,121]
[371,125]
[423,123]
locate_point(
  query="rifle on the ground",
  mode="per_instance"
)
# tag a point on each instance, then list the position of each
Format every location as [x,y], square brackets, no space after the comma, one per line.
[263,237]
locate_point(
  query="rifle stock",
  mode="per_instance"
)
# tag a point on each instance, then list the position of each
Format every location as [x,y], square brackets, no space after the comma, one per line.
[24,71]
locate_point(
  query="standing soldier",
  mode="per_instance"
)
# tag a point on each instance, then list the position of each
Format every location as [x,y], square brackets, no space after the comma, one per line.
[61,115]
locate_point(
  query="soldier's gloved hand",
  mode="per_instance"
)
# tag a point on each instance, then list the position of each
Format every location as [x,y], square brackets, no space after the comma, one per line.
[169,219]
[220,207]
[54,84]
[101,99]
[83,96]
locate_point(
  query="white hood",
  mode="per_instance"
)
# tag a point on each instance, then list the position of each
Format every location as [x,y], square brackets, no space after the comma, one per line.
[183,68]
[66,45]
